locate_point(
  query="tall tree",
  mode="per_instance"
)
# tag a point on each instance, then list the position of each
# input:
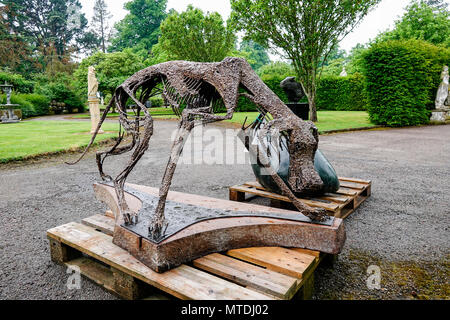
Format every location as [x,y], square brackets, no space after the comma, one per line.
[437,4]
[51,27]
[100,23]
[423,20]
[140,27]
[304,30]
[111,70]
[195,36]
[256,52]
[15,53]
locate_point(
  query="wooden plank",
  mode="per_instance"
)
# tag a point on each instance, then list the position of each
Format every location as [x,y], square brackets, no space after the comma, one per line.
[312,203]
[183,282]
[335,198]
[94,271]
[251,276]
[355,180]
[353,185]
[316,254]
[100,222]
[282,260]
[347,191]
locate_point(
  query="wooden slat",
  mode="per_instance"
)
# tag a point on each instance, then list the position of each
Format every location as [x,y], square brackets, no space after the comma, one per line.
[262,193]
[248,275]
[96,272]
[282,260]
[353,185]
[347,192]
[101,222]
[183,282]
[355,180]
[335,198]
[313,253]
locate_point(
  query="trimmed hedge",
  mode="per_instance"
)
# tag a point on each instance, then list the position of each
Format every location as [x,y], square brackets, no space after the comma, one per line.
[342,93]
[402,78]
[273,82]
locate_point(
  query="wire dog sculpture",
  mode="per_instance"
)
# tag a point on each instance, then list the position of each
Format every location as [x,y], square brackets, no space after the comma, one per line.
[196,91]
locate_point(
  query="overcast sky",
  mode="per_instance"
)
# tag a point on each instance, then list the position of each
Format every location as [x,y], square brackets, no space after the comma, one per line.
[380,19]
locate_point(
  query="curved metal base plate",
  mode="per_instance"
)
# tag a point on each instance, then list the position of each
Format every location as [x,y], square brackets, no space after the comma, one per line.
[198,230]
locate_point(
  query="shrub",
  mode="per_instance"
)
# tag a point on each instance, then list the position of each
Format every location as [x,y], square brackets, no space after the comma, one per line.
[40,103]
[402,78]
[342,93]
[157,102]
[20,84]
[62,93]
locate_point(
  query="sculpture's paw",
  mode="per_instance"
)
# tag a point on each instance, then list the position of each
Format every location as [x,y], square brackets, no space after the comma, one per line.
[318,215]
[130,218]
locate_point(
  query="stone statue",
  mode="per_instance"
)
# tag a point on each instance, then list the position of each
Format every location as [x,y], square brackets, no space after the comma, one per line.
[93,100]
[92,83]
[443,91]
[293,89]
[343,73]
[8,95]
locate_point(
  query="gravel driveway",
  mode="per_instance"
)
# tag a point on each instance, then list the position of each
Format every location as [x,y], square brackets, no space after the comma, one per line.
[402,228]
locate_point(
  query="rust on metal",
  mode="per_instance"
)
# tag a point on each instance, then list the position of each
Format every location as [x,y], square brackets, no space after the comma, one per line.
[196,91]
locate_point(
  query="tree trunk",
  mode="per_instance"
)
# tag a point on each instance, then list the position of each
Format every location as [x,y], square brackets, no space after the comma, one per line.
[312,107]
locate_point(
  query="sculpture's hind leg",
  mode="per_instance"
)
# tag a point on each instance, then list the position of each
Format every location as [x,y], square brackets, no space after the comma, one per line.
[141,141]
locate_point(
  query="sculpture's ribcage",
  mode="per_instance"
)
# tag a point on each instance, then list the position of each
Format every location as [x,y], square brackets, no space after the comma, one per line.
[195,97]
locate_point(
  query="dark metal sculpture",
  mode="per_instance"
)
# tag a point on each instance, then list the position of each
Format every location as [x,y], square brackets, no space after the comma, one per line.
[292,89]
[195,91]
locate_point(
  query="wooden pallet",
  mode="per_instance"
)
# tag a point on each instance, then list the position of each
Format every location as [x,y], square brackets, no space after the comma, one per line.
[341,204]
[243,274]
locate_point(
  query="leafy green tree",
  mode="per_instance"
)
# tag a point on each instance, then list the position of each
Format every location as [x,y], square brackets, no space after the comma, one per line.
[305,31]
[195,36]
[256,53]
[437,4]
[334,62]
[50,27]
[281,69]
[355,59]
[15,53]
[423,20]
[140,27]
[100,23]
[111,69]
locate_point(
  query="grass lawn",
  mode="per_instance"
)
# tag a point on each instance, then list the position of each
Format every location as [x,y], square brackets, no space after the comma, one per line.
[153,112]
[328,120]
[30,138]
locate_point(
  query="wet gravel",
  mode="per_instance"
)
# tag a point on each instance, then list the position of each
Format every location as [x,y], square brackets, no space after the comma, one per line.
[405,221]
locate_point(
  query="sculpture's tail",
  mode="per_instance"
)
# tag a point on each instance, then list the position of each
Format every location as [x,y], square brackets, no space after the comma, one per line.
[100,123]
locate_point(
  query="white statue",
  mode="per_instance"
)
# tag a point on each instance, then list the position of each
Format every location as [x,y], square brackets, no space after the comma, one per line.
[442,93]
[94,108]
[92,83]
[343,73]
